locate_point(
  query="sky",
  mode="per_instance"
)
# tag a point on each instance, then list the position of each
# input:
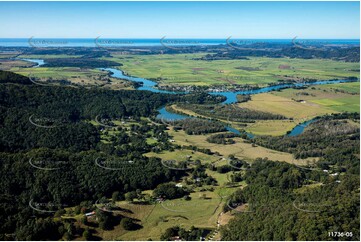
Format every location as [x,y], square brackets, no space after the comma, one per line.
[272,20]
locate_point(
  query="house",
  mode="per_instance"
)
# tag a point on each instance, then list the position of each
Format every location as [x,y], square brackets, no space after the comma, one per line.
[160,199]
[90,214]
[175,238]
[179,185]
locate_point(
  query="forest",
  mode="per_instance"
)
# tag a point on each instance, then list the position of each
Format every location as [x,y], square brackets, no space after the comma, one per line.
[231,113]
[334,138]
[63,149]
[51,153]
[233,51]
[277,208]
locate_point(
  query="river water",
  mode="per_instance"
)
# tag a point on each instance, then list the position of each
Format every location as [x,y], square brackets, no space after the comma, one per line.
[231,97]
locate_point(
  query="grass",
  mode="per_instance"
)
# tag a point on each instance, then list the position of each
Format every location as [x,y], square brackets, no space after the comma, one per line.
[271,127]
[240,149]
[11,65]
[277,103]
[327,97]
[151,141]
[178,212]
[181,155]
[185,69]
[260,127]
[77,76]
[349,104]
[47,56]
[186,111]
[351,87]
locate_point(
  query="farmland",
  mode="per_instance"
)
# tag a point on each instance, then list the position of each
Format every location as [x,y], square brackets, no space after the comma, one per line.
[336,98]
[121,126]
[240,149]
[187,69]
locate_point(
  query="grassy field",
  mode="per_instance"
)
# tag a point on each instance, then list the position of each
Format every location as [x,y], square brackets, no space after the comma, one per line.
[302,105]
[77,76]
[181,155]
[48,56]
[13,65]
[240,149]
[270,127]
[277,103]
[336,97]
[351,87]
[59,71]
[201,211]
[155,219]
[184,69]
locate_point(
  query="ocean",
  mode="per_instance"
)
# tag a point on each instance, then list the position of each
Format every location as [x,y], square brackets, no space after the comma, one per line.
[170,42]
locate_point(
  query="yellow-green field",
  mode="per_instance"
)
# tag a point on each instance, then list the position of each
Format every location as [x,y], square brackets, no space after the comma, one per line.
[197,212]
[76,76]
[240,149]
[273,104]
[201,211]
[270,127]
[48,56]
[13,65]
[181,155]
[351,87]
[326,96]
[185,69]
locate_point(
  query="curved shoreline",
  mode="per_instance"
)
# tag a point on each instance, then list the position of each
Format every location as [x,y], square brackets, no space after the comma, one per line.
[231,96]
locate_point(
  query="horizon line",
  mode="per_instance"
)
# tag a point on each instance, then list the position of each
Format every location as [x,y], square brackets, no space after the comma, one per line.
[153,38]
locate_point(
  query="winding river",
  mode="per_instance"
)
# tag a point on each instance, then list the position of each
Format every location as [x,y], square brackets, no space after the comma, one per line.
[147,85]
[37,61]
[231,97]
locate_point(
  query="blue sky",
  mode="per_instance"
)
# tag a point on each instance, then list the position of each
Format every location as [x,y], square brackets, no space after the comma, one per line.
[180,19]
